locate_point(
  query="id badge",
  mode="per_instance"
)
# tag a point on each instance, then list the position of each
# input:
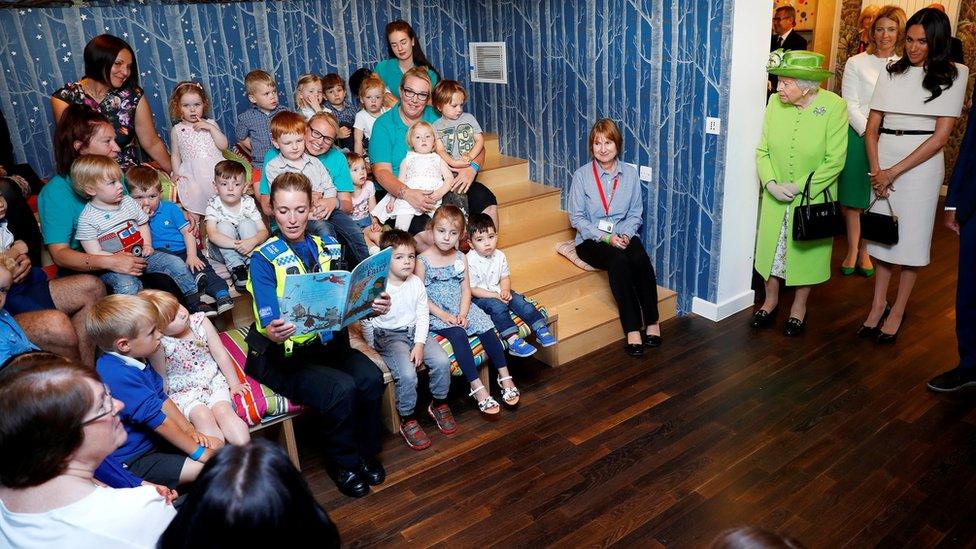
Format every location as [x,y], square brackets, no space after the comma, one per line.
[606,226]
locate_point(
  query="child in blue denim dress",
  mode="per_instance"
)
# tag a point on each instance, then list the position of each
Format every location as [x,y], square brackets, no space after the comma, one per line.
[444,271]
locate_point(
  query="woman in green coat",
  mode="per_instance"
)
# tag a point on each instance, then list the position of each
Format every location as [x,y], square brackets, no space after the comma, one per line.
[804,132]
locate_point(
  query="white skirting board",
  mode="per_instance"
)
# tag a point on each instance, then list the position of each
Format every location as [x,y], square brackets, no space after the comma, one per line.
[725,309]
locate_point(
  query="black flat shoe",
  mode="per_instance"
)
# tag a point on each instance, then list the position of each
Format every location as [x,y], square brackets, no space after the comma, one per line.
[652,341]
[350,483]
[872,332]
[886,339]
[794,327]
[372,471]
[634,349]
[952,381]
[762,319]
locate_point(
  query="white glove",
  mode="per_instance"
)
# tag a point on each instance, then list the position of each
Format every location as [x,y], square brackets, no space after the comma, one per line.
[784,193]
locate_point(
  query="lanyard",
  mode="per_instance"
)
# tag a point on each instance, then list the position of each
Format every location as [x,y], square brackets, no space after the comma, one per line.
[603,196]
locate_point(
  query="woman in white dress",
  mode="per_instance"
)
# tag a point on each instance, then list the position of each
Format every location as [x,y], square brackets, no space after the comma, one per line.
[886,38]
[914,107]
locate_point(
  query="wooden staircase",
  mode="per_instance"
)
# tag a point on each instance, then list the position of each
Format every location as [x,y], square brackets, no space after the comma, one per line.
[532,223]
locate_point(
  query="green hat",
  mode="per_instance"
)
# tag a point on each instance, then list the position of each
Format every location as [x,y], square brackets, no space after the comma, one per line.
[802,64]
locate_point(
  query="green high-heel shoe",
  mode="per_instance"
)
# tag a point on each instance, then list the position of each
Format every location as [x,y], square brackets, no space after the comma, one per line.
[866,273]
[846,271]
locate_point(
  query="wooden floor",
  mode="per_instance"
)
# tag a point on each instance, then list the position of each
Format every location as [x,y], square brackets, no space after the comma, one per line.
[827,438]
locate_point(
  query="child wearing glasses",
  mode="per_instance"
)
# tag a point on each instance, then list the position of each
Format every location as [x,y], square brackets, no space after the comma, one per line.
[162,446]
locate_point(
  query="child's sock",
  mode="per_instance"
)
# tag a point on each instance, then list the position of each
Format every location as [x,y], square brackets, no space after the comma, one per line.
[406,418]
[438,401]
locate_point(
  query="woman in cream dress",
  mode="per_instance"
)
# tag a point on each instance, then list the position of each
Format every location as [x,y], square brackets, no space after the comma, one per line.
[913,110]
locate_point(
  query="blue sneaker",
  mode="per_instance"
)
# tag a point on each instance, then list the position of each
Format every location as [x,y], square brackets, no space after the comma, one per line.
[518,347]
[544,337]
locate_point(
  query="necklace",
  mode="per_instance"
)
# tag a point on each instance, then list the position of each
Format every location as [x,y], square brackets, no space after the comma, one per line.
[98,97]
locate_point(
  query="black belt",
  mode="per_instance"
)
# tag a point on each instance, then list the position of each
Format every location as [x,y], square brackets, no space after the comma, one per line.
[906,132]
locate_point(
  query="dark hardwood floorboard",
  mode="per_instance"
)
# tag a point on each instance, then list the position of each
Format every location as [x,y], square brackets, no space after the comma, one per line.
[826,437]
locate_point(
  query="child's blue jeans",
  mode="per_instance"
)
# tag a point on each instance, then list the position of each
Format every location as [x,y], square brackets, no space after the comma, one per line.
[498,311]
[158,262]
[395,346]
[347,231]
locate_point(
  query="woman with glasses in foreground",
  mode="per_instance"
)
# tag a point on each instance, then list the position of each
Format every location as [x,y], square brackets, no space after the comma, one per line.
[58,422]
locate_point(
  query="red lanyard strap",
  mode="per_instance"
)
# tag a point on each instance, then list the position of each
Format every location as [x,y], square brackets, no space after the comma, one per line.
[603,196]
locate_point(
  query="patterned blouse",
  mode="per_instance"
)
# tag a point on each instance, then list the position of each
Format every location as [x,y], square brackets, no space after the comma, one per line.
[119,106]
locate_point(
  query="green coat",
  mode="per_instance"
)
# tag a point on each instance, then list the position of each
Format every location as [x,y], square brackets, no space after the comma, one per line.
[794,143]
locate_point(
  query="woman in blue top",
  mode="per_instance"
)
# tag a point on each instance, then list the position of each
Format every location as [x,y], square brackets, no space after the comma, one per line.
[405,53]
[606,209]
[318,369]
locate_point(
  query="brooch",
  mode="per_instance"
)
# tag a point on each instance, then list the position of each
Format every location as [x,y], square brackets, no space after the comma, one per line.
[820,111]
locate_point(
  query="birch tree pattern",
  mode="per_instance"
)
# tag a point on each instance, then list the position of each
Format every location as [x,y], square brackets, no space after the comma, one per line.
[654,66]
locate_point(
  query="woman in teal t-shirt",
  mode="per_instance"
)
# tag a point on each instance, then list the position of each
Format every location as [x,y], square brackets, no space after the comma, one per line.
[405,53]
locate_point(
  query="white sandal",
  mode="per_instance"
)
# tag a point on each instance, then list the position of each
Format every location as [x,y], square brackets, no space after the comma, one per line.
[511,394]
[489,405]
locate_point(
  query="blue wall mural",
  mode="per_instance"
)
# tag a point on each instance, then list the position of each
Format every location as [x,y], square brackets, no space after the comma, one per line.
[655,66]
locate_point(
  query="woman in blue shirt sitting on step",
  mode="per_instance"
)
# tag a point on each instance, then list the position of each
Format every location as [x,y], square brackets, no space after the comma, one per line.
[606,209]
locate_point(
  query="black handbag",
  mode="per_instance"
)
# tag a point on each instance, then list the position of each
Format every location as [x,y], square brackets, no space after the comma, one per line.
[816,221]
[878,227]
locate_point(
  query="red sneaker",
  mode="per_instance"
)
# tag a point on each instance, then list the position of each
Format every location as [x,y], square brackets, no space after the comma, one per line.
[444,418]
[414,434]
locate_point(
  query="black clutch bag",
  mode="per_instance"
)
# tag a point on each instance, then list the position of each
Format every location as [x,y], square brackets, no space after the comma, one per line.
[878,227]
[816,221]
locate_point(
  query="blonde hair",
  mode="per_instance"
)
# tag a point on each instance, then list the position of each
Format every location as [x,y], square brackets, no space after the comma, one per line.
[371,82]
[118,316]
[165,304]
[444,93]
[90,169]
[328,118]
[303,81]
[896,14]
[417,72]
[256,77]
[7,265]
[416,126]
[181,89]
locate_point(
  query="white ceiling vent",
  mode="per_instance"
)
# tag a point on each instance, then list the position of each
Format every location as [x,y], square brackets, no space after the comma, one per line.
[488,62]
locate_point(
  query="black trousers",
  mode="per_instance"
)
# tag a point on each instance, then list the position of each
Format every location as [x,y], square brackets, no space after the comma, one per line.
[966,296]
[339,382]
[632,280]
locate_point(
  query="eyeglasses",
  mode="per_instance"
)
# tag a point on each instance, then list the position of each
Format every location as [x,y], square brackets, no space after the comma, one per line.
[107,407]
[316,135]
[782,18]
[407,93]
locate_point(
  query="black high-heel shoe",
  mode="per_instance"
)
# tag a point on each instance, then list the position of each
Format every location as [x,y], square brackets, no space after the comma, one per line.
[794,326]
[872,332]
[887,339]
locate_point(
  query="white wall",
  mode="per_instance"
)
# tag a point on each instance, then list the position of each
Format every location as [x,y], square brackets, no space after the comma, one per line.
[740,201]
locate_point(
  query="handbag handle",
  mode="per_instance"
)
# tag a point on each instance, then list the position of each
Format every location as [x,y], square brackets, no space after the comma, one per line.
[806,198]
[888,202]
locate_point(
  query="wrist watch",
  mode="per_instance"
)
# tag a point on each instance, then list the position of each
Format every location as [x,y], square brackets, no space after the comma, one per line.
[401,192]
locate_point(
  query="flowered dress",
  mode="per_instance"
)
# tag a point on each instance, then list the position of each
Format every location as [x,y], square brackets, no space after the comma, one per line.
[198,156]
[191,371]
[444,289]
[119,106]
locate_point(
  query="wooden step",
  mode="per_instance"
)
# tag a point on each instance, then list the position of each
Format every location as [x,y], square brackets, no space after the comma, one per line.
[591,322]
[491,145]
[514,192]
[503,169]
[523,228]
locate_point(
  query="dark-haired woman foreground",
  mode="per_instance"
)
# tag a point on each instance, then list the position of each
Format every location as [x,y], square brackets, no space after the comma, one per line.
[250,496]
[913,110]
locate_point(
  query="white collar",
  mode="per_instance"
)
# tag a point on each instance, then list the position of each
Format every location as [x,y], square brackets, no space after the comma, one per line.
[785,34]
[129,360]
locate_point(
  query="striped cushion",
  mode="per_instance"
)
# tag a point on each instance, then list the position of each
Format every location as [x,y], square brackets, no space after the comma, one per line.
[261,403]
[477,349]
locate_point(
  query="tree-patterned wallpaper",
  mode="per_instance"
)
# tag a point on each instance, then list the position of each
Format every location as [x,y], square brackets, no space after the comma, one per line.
[655,66]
